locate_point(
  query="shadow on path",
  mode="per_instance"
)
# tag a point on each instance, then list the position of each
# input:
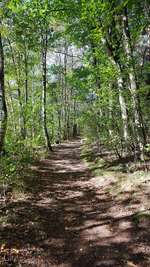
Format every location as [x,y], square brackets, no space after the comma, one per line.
[67,221]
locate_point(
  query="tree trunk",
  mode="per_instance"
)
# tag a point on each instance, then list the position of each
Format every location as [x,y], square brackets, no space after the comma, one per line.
[44,92]
[22,119]
[26,74]
[12,109]
[138,119]
[122,102]
[123,107]
[66,134]
[110,109]
[3,108]
[115,61]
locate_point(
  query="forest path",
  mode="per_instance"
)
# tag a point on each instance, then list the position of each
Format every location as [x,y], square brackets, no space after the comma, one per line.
[69,219]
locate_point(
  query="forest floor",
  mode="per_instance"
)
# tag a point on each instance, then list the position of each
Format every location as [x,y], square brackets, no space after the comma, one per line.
[67,216]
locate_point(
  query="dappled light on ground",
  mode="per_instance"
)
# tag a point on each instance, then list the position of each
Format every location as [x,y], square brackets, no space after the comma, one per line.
[71,219]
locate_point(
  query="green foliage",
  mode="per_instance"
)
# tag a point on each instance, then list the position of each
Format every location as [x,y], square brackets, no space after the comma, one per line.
[13,167]
[85,55]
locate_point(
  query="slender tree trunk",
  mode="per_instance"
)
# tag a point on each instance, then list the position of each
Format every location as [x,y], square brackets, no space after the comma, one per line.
[63,106]
[65,95]
[138,118]
[3,108]
[59,110]
[74,125]
[95,63]
[59,126]
[110,111]
[44,92]
[33,129]
[26,75]
[123,108]
[22,120]
[122,102]
[12,109]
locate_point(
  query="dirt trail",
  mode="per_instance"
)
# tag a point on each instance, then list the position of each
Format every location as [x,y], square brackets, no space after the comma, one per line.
[69,219]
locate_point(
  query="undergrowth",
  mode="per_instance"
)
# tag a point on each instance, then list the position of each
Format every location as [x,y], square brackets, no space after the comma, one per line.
[14,166]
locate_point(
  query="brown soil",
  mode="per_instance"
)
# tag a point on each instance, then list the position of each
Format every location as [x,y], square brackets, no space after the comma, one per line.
[67,218]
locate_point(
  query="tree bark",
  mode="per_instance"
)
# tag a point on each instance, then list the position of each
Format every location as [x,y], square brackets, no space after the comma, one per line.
[112,53]
[26,74]
[22,119]
[66,133]
[123,106]
[44,92]
[138,118]
[3,108]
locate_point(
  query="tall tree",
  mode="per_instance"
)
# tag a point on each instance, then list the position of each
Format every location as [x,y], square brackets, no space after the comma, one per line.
[44,47]
[3,108]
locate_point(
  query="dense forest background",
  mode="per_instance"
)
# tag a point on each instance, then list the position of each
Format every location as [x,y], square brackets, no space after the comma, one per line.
[70,68]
